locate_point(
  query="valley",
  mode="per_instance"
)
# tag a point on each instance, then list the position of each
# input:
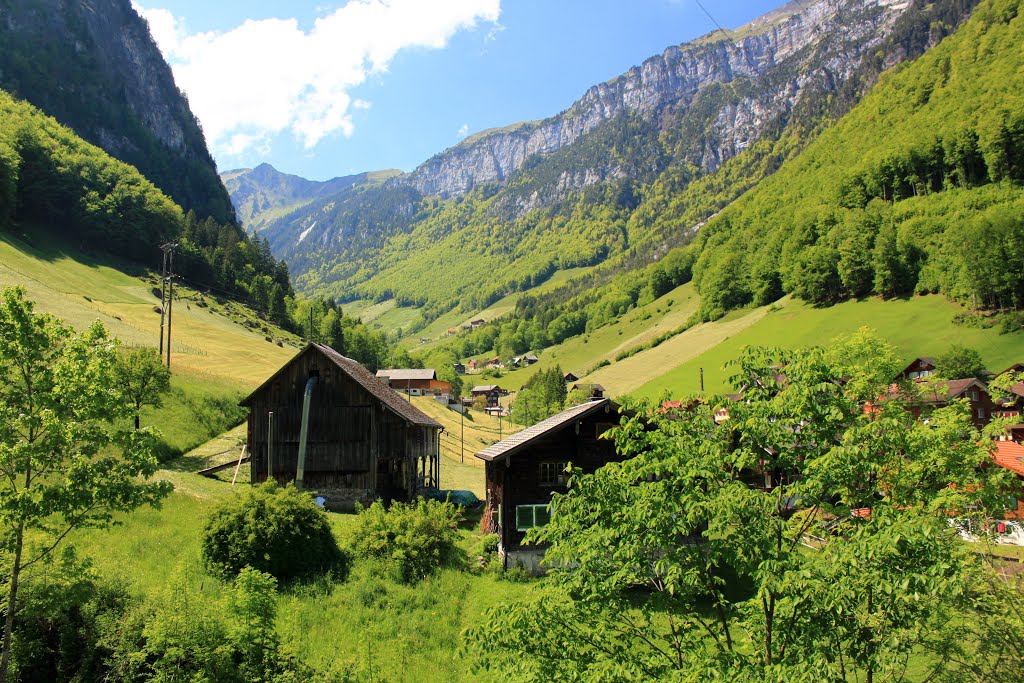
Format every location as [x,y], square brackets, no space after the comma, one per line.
[715,374]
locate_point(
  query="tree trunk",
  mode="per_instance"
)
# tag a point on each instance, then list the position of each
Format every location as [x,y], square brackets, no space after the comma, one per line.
[136,429]
[11,603]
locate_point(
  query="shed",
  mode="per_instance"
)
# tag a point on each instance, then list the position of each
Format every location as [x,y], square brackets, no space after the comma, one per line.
[523,471]
[363,440]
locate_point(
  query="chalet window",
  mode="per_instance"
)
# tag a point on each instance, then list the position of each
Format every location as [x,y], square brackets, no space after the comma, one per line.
[981,413]
[529,516]
[974,396]
[552,473]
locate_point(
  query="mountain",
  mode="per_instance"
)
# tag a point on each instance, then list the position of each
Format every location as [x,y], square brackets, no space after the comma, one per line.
[261,195]
[506,209]
[95,68]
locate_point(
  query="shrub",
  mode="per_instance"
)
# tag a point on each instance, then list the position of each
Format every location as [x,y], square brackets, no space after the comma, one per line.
[411,539]
[276,530]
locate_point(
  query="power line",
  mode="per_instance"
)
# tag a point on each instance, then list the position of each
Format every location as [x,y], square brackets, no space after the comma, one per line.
[713,21]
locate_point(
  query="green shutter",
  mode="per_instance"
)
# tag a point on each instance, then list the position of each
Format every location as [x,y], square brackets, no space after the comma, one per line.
[524,517]
[542,514]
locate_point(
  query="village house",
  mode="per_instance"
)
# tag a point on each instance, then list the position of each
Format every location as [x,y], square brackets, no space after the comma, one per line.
[491,392]
[918,368]
[522,471]
[415,381]
[937,393]
[569,378]
[459,368]
[473,324]
[1010,455]
[328,424]
[529,359]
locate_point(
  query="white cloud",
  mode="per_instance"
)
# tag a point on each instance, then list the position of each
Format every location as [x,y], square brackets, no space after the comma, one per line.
[268,76]
[463,131]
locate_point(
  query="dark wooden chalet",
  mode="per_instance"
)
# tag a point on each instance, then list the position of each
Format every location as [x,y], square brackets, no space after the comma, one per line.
[918,368]
[523,471]
[491,392]
[363,440]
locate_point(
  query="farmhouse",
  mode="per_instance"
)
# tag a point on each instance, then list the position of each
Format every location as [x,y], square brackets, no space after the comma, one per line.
[325,422]
[938,394]
[492,392]
[415,381]
[523,471]
[918,368]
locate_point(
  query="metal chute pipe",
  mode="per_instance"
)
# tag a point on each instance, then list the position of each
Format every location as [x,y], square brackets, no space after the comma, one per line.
[300,472]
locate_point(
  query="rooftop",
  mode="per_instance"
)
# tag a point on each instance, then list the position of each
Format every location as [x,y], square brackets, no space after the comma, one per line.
[521,439]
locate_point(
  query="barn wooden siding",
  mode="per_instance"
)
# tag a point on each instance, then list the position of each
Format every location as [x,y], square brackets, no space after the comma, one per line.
[356,445]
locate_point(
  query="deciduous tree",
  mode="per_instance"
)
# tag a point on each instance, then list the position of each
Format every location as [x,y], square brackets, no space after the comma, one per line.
[64,459]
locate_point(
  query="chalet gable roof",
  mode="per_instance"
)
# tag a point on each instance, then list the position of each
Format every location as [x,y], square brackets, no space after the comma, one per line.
[363,377]
[484,388]
[521,439]
[403,374]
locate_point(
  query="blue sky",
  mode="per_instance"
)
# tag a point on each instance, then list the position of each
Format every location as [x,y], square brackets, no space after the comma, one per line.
[322,89]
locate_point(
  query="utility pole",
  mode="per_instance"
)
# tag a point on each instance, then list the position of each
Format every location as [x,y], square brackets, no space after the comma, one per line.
[170,308]
[702,380]
[462,425]
[167,305]
[163,295]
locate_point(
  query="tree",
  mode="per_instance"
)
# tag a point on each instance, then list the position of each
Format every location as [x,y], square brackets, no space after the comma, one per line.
[142,378]
[960,362]
[743,539]
[66,464]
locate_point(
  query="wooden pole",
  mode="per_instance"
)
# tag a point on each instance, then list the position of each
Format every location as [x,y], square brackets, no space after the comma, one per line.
[270,444]
[170,308]
[163,299]
[241,457]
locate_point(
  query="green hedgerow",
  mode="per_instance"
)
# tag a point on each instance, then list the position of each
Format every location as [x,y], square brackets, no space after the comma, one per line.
[411,539]
[277,530]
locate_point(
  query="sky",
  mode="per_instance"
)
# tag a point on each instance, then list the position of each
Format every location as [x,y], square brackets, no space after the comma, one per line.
[323,89]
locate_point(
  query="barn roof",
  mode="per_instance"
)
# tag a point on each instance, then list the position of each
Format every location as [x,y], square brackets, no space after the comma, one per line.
[375,386]
[402,374]
[521,439]
[484,388]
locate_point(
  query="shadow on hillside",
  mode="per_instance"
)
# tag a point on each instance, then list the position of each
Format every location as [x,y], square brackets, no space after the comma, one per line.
[48,245]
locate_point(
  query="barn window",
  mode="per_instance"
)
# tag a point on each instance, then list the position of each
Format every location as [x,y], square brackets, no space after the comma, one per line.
[552,473]
[529,516]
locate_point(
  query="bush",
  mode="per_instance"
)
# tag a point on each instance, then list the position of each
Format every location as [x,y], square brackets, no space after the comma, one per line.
[276,530]
[411,539]
[1011,322]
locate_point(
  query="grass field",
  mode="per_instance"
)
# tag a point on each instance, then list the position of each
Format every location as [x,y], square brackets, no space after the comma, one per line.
[367,623]
[920,326]
[460,469]
[207,341]
[637,327]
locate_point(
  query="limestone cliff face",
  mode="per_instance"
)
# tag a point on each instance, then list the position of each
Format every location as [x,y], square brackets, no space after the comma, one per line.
[777,57]
[94,67]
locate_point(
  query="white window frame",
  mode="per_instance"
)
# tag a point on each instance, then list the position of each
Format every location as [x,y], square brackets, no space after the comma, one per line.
[558,479]
[532,509]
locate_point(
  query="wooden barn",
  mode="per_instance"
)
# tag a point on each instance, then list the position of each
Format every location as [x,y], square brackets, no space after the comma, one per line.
[325,422]
[523,471]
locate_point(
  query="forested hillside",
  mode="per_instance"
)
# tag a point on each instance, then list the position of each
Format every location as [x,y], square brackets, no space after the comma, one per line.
[95,68]
[919,189]
[51,177]
[504,210]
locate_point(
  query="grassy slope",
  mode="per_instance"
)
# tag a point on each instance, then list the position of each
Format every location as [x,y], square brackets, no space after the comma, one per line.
[637,327]
[215,359]
[920,326]
[480,430]
[385,630]
[80,290]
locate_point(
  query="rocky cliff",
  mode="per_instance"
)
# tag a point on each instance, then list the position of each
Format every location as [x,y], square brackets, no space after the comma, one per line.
[95,68]
[775,58]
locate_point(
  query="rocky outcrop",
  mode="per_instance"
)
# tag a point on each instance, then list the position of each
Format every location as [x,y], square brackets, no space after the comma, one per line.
[779,55]
[95,68]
